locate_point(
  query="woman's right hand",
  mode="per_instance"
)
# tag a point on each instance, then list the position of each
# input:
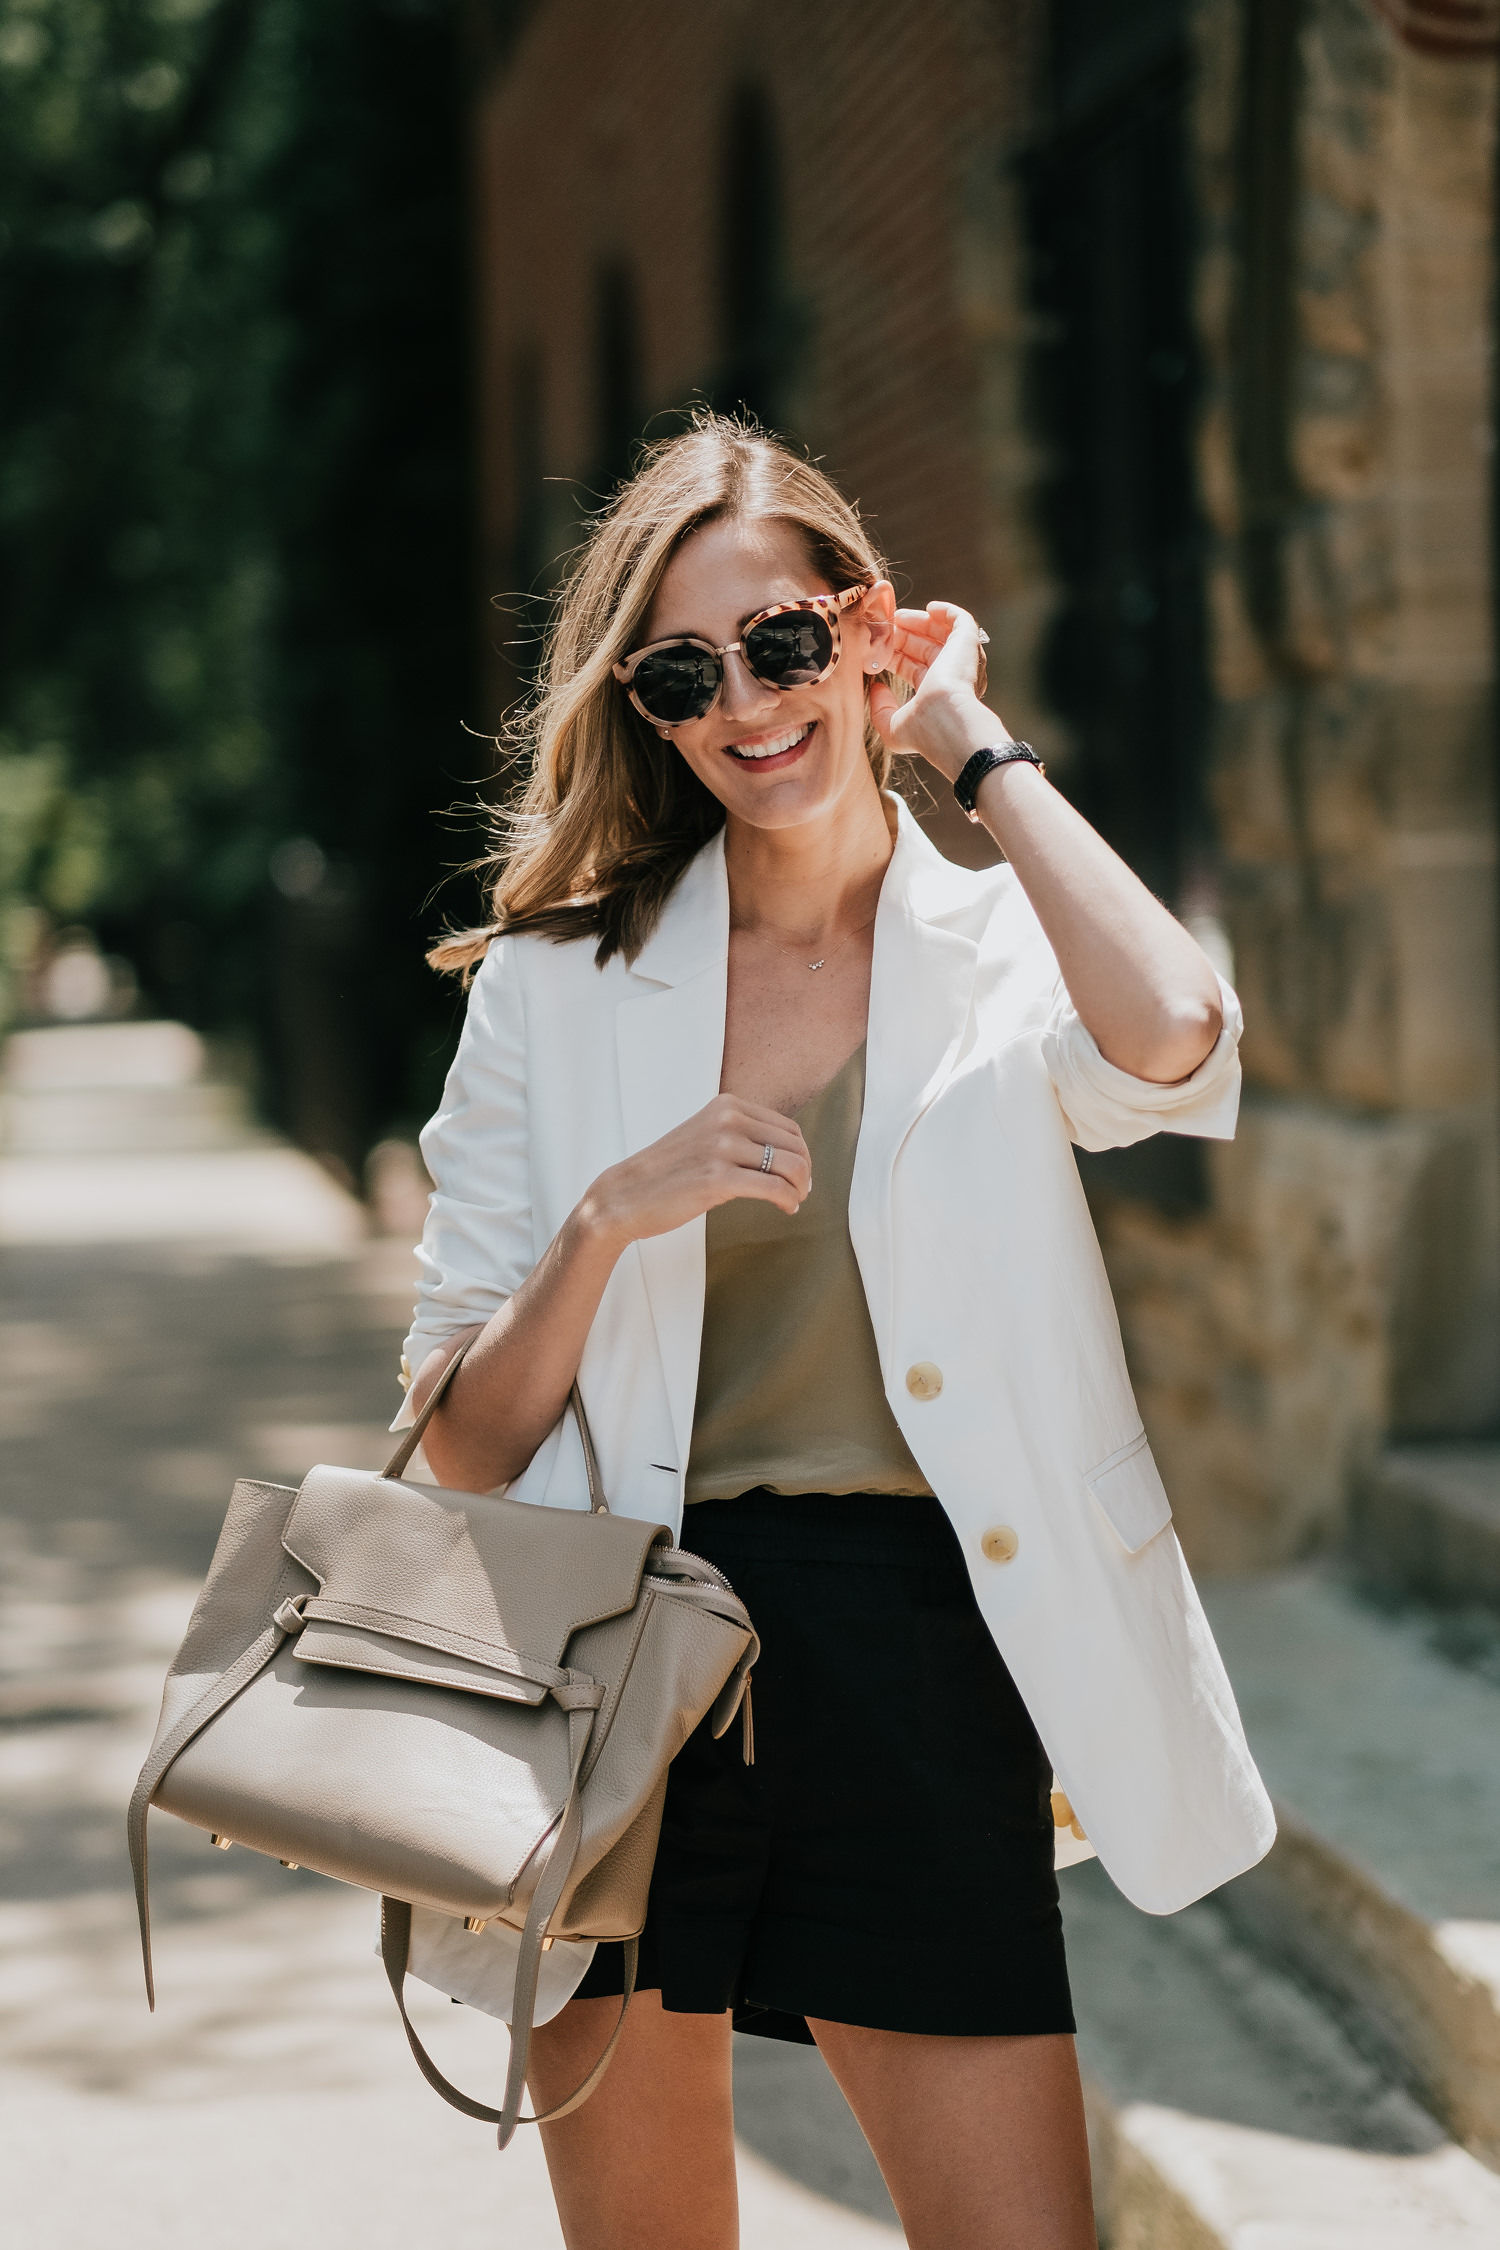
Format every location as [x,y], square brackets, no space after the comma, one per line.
[713,1157]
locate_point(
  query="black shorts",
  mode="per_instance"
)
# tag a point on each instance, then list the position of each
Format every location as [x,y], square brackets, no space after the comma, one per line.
[888,1858]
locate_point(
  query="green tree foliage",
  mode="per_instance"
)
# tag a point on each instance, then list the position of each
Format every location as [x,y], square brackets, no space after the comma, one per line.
[234,542]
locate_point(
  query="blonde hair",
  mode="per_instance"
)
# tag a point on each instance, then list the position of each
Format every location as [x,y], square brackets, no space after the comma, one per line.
[609,815]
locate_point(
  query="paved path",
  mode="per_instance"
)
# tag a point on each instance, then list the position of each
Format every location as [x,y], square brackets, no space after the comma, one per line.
[166,1324]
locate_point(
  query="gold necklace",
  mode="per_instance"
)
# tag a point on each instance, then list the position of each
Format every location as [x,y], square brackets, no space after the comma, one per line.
[824,959]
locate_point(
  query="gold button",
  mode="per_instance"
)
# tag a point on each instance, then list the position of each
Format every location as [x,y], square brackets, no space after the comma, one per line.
[999,1543]
[1062,1811]
[924,1380]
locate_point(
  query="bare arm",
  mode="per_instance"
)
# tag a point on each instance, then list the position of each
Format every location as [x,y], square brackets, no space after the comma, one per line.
[515,1381]
[1141,984]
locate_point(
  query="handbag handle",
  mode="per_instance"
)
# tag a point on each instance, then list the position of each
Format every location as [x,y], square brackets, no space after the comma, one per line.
[412,1438]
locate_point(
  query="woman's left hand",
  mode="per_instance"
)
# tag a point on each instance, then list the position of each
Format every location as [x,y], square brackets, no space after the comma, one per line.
[940,655]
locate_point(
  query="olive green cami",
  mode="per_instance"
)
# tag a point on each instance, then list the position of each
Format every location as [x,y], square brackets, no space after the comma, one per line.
[789,1387]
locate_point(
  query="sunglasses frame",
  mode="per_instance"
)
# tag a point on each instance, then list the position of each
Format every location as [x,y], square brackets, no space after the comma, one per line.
[826,605]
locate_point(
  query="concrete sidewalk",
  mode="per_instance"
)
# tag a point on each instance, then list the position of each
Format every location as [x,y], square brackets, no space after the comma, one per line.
[171,1321]
[167,1324]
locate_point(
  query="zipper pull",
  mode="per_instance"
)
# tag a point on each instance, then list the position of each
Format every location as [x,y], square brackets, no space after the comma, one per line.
[747,1725]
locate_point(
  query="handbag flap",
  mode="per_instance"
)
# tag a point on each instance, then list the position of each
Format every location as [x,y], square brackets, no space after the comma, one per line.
[508,1574]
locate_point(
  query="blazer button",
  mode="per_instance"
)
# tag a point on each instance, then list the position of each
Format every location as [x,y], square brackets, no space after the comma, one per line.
[999,1543]
[924,1380]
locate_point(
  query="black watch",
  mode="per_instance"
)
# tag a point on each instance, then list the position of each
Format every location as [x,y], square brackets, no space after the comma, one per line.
[966,788]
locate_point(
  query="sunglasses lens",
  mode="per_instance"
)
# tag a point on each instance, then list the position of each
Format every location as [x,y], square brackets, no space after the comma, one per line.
[789,651]
[677,684]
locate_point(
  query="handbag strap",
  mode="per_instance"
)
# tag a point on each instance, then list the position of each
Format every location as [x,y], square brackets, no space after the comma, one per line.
[411,1438]
[222,1691]
[395,1948]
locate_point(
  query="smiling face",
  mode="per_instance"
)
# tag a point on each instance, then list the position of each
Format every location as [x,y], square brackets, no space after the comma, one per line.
[773,758]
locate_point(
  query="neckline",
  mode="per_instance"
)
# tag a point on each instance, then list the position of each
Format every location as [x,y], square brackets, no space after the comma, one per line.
[829,1083]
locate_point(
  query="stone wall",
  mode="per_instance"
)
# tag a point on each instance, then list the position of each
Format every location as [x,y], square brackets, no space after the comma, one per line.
[1345,1283]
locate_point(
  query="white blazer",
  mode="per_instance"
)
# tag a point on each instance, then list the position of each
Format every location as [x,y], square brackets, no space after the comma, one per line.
[996,1330]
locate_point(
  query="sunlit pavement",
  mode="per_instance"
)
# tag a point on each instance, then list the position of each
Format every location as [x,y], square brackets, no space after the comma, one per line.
[167,1323]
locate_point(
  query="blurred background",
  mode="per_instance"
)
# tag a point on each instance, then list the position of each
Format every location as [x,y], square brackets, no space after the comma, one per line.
[237,529]
[1159,332]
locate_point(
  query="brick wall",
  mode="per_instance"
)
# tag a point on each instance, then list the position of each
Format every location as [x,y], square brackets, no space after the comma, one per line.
[600,140]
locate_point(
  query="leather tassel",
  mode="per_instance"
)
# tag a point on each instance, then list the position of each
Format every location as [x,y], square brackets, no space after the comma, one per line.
[747,1725]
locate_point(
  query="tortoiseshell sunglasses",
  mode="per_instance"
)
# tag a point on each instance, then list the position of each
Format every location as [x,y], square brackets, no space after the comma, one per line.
[789,645]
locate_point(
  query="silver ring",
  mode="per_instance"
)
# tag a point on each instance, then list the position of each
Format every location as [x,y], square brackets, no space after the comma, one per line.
[765,1162]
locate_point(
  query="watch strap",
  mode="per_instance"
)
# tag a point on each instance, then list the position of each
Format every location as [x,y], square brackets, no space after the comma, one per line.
[966,787]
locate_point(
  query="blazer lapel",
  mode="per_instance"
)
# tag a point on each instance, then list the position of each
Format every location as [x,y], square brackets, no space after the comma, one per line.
[670,1046]
[921,992]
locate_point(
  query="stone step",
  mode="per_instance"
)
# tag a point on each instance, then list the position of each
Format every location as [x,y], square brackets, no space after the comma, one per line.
[1229,2108]
[1425,1522]
[1383,1889]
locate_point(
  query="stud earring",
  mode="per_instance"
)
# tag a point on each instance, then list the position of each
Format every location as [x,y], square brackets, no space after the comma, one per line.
[665,733]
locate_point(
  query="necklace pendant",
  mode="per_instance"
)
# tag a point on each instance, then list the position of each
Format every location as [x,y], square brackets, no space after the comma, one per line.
[817,964]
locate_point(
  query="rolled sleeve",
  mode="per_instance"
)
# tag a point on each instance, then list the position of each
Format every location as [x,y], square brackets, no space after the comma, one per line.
[476,1247]
[1106,1107]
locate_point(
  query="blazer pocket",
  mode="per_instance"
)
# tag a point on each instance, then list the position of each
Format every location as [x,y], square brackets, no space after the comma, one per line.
[1127,1485]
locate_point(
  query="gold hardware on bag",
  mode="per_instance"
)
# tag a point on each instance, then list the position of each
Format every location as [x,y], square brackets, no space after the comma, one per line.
[292,1863]
[221,1843]
[474,1922]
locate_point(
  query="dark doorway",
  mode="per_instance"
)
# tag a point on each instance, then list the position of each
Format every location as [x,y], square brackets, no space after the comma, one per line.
[617,376]
[1114,396]
[1115,386]
[757,318]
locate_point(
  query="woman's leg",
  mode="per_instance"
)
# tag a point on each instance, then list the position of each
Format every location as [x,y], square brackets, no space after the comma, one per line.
[981,2140]
[647,2163]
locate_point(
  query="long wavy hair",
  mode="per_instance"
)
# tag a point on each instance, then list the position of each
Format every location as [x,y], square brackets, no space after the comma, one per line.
[608,815]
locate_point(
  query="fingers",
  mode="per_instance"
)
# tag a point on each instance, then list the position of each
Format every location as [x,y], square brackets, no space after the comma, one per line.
[742,1134]
[926,632]
[763,1187]
[758,1120]
[944,637]
[960,649]
[883,709]
[916,643]
[792,1165]
[736,1108]
[787,1166]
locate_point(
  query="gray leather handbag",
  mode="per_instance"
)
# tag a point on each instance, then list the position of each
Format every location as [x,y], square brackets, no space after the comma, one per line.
[456,1700]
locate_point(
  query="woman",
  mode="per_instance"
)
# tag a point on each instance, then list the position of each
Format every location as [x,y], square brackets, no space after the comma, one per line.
[760,1126]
